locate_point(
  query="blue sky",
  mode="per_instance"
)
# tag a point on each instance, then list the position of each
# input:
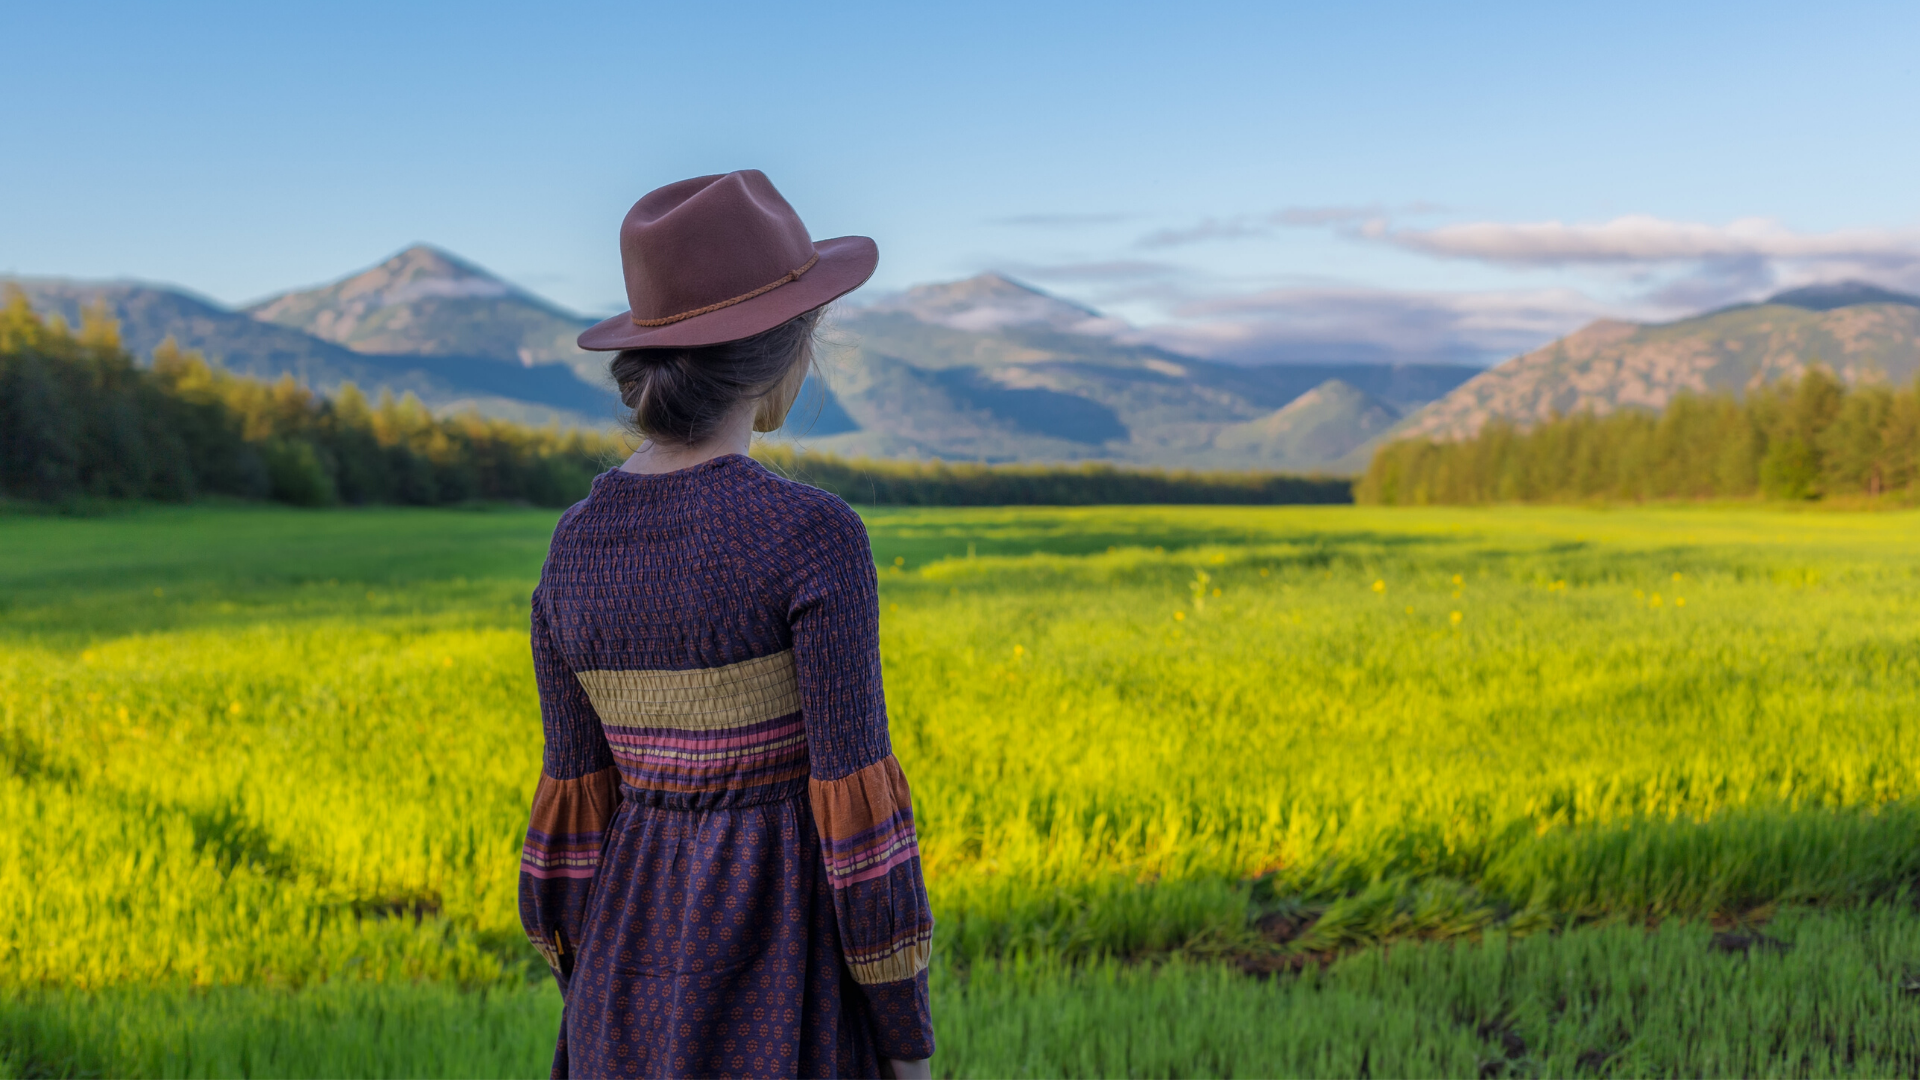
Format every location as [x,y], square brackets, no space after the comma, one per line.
[1253,181]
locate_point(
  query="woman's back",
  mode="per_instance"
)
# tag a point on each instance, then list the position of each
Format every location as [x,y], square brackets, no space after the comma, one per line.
[676,599]
[721,865]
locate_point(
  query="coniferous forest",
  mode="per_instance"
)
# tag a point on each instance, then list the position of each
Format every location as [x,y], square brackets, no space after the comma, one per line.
[79,419]
[1810,438]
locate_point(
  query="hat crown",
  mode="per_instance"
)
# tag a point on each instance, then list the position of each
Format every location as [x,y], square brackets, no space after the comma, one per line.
[709,241]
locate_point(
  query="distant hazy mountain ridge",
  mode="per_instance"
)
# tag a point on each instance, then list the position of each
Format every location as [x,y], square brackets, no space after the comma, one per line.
[991,302]
[990,369]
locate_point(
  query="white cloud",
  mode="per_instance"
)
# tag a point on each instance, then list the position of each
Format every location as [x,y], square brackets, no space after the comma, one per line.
[1304,324]
[1642,238]
[1370,220]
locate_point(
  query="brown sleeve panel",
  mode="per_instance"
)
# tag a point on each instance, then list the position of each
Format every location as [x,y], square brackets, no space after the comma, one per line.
[859,801]
[584,804]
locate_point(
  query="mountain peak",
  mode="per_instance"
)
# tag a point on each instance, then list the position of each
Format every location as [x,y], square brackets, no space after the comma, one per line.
[439,262]
[993,301]
[428,302]
[1840,294]
[417,273]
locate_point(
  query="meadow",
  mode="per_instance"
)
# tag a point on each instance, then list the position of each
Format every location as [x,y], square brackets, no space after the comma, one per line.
[1201,791]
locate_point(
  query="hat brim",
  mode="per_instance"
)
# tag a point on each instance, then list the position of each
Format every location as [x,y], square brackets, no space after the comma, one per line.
[846,262]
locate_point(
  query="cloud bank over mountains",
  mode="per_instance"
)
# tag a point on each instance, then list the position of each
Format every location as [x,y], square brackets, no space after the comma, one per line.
[1521,283]
[1379,325]
[1642,238]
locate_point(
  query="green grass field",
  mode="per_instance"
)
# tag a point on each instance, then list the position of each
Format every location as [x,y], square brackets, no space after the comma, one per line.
[1470,792]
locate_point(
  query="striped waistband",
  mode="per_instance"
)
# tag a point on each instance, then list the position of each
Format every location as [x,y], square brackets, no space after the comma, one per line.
[704,801]
[705,738]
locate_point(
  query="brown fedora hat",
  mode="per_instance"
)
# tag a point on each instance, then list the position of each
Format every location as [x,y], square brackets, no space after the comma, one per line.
[720,258]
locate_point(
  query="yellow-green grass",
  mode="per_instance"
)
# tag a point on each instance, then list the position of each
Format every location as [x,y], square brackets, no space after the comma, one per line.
[271,749]
[1825,995]
[1633,714]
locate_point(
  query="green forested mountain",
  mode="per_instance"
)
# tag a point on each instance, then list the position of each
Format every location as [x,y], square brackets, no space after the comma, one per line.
[1861,333]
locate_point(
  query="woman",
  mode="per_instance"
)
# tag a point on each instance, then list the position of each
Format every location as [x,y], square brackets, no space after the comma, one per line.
[721,866]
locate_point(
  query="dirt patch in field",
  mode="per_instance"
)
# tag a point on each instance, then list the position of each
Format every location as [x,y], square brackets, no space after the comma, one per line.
[1279,929]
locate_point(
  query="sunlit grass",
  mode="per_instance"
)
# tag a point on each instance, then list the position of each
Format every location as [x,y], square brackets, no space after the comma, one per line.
[287,751]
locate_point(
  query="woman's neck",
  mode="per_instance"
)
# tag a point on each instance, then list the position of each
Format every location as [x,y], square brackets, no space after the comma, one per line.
[734,436]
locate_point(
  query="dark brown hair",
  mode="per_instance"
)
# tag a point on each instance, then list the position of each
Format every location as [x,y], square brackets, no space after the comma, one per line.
[681,395]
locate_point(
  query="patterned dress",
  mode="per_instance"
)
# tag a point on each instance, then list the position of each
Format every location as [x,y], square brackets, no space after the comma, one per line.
[721,866]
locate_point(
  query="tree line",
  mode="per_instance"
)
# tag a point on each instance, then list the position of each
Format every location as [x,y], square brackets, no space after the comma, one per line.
[1806,438]
[945,483]
[80,419]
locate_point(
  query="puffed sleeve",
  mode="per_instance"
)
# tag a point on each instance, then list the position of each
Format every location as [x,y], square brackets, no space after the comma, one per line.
[573,806]
[861,805]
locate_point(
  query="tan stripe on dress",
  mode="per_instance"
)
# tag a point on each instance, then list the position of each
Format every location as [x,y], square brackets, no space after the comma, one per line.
[703,699]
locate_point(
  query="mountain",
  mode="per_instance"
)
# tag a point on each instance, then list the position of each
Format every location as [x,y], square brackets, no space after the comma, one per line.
[984,369]
[1612,365]
[263,350]
[1843,294]
[993,301]
[990,369]
[425,302]
[1325,424]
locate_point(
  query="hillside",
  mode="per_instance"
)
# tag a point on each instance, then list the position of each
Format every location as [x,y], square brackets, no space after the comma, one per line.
[262,350]
[1862,333]
[1327,423]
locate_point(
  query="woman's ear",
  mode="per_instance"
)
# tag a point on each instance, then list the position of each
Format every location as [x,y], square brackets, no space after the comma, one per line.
[774,405]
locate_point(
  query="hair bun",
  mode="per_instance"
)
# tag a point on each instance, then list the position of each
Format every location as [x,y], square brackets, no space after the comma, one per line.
[680,395]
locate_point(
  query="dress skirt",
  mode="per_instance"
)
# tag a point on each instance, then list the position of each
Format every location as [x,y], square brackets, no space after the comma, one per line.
[711,949]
